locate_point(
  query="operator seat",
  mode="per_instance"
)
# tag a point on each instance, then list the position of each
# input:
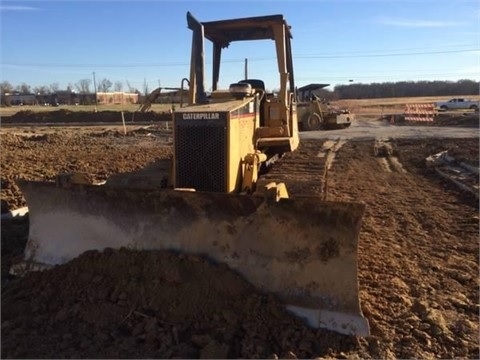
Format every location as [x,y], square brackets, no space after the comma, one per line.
[254,83]
[258,86]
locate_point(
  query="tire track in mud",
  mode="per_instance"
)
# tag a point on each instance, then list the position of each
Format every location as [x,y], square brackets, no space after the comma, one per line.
[329,150]
[396,164]
[391,164]
[385,152]
[385,165]
[417,258]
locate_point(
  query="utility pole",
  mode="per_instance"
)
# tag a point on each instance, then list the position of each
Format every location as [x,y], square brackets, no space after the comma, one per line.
[246,68]
[95,89]
[145,86]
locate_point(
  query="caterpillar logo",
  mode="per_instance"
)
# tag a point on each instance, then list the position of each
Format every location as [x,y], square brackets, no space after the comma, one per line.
[201,116]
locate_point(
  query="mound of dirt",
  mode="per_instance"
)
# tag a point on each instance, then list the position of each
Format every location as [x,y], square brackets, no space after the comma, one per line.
[418,264]
[460,120]
[66,116]
[467,120]
[132,304]
[43,156]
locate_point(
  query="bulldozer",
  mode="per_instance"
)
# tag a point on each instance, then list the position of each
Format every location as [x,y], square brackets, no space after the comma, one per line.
[214,204]
[317,114]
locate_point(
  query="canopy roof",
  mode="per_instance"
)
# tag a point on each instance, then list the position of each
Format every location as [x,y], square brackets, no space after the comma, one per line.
[312,87]
[223,32]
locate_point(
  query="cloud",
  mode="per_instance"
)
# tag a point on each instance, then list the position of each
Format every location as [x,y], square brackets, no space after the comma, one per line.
[416,23]
[4,8]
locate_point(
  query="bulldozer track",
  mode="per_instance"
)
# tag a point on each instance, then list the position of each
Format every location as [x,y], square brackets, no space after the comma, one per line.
[396,164]
[391,164]
[385,152]
[305,171]
[385,165]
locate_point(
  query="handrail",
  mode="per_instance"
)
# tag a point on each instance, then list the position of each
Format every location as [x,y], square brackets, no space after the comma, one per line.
[181,89]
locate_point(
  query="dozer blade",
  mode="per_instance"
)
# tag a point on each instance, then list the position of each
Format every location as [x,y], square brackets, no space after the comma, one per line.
[303,250]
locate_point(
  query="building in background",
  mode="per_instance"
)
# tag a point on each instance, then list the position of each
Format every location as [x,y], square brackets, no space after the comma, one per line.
[55,99]
[17,98]
[116,98]
[65,97]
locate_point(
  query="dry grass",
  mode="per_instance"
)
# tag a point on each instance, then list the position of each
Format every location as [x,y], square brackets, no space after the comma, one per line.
[382,106]
[375,107]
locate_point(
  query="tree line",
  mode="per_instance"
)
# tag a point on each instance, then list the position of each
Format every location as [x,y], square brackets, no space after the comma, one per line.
[404,89]
[350,91]
[83,86]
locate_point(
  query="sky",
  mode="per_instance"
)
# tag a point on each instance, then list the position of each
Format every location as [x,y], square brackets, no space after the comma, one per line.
[336,42]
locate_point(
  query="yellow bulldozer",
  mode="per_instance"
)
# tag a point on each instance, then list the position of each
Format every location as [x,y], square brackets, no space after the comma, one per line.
[214,204]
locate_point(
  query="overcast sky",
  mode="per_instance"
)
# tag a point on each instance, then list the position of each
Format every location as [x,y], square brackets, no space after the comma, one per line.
[334,41]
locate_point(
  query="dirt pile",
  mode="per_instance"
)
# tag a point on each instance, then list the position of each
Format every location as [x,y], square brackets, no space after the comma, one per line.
[458,120]
[67,116]
[418,248]
[99,154]
[14,235]
[123,303]
[418,265]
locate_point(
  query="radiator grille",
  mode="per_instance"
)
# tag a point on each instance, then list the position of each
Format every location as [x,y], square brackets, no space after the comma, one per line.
[200,149]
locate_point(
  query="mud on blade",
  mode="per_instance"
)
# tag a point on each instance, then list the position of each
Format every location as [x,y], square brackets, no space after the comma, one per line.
[304,250]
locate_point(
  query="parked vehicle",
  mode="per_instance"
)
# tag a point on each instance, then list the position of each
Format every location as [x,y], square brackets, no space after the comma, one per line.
[457,103]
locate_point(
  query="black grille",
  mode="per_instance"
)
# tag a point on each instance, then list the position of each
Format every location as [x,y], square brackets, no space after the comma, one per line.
[200,151]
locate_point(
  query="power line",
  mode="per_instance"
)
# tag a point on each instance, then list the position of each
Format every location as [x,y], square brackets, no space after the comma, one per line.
[386,77]
[171,64]
[384,55]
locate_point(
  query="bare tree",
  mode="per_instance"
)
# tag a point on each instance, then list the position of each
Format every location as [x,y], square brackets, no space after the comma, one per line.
[104,85]
[118,86]
[83,86]
[24,88]
[54,87]
[6,87]
[70,88]
[131,89]
[41,90]
[129,86]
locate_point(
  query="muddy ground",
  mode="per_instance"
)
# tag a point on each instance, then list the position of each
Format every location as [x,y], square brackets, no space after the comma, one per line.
[418,265]
[467,119]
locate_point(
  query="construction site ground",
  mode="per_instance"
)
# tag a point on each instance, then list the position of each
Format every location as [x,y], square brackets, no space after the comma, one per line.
[418,255]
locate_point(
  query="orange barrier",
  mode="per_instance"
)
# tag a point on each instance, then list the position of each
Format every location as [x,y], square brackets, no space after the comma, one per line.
[419,112]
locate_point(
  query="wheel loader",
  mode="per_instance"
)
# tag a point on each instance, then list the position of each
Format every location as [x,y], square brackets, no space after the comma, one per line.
[214,203]
[317,114]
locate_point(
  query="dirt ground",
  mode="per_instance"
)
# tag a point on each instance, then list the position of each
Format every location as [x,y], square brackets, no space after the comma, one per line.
[68,116]
[418,264]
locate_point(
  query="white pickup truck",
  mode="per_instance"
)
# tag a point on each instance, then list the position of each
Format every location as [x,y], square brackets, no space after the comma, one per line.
[457,103]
